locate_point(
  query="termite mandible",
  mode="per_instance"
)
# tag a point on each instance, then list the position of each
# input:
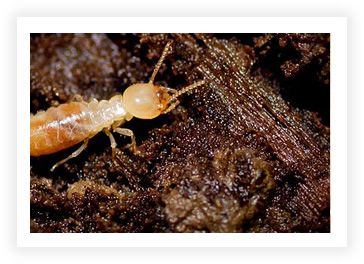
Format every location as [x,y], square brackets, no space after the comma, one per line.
[68,124]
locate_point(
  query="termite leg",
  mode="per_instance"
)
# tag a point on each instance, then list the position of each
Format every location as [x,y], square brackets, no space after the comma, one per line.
[116,124]
[128,133]
[112,141]
[73,155]
[171,107]
[159,64]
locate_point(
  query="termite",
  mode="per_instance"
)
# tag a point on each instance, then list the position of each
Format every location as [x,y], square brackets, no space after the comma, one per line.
[68,124]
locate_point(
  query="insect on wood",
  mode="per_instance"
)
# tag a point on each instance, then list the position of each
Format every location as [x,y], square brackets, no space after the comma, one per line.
[61,127]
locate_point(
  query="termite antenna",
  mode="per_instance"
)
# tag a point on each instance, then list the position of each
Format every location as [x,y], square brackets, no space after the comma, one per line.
[186,89]
[173,100]
[159,64]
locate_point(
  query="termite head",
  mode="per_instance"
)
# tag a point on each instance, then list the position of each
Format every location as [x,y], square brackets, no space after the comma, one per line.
[147,101]
[143,101]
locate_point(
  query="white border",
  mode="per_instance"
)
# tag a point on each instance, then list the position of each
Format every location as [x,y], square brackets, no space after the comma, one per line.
[335,26]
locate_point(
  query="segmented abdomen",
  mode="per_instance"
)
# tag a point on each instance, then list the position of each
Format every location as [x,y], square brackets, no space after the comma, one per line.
[61,127]
[58,128]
